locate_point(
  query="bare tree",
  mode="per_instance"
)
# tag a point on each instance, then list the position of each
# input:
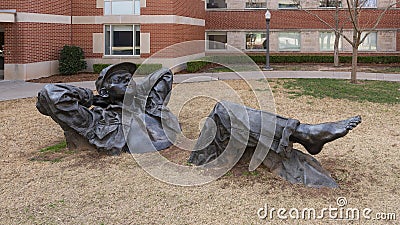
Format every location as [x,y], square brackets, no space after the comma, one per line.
[354,8]
[336,60]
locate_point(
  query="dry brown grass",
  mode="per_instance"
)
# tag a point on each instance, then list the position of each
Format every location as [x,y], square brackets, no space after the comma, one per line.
[88,188]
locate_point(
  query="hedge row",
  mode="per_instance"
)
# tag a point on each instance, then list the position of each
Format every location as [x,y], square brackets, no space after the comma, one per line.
[196,65]
[325,59]
[143,69]
[97,68]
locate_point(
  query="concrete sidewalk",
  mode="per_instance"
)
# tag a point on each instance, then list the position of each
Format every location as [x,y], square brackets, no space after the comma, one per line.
[16,89]
[10,90]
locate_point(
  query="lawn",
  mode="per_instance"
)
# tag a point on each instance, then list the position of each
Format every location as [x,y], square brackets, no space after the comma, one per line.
[84,187]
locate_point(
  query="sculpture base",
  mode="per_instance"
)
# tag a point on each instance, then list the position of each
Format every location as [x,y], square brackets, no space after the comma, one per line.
[76,141]
[297,167]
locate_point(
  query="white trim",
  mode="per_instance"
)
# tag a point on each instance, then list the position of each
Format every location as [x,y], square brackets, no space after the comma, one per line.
[7,17]
[138,19]
[42,18]
[30,70]
[145,43]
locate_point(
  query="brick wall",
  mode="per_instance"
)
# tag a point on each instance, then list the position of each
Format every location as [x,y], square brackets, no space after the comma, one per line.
[13,4]
[164,35]
[85,8]
[188,8]
[83,37]
[34,42]
[57,7]
[158,7]
[290,19]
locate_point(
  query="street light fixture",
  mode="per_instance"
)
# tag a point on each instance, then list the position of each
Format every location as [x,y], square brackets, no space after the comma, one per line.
[267,19]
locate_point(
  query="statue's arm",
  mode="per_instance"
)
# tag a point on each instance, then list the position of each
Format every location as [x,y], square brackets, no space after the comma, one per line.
[159,92]
[56,99]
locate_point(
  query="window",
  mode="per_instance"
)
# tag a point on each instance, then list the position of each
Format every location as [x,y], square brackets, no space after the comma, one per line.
[217,40]
[122,40]
[327,41]
[215,4]
[287,4]
[121,7]
[256,4]
[369,44]
[255,41]
[289,41]
[368,3]
[329,3]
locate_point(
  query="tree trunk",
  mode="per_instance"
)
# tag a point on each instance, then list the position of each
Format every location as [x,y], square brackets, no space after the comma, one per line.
[337,36]
[336,51]
[354,65]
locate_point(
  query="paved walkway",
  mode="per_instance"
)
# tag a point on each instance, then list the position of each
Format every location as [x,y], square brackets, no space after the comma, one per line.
[20,89]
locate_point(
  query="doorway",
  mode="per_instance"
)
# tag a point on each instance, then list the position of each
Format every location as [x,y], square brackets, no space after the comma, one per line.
[1,54]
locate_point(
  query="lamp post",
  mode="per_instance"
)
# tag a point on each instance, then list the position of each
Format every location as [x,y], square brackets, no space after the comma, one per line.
[267,19]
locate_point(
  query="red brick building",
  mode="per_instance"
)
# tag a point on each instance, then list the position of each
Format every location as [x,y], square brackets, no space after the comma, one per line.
[32,33]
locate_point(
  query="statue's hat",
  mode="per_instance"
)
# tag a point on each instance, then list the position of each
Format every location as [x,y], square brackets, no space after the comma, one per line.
[114,69]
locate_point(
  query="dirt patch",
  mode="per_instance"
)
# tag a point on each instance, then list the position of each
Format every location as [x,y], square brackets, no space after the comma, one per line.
[66,78]
[85,187]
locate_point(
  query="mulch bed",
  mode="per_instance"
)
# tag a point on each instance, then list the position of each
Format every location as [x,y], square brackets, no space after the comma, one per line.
[66,78]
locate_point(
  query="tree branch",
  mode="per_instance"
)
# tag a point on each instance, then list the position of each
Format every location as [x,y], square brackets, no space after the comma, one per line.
[378,21]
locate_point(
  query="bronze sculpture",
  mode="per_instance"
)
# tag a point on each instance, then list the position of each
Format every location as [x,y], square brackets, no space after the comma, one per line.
[268,137]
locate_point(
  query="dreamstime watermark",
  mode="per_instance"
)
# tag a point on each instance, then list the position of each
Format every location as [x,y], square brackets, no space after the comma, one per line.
[340,211]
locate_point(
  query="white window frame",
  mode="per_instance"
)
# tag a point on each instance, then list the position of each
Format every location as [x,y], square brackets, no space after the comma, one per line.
[370,7]
[108,7]
[332,34]
[329,7]
[287,2]
[208,2]
[289,49]
[248,2]
[368,48]
[109,47]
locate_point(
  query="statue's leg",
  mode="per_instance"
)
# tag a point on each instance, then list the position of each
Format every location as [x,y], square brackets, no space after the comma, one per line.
[238,127]
[313,137]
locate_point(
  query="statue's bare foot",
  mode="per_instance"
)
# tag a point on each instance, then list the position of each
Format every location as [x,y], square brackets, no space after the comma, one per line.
[313,137]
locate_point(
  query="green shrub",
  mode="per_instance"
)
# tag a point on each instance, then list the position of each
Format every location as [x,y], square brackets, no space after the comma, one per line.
[71,60]
[97,68]
[324,59]
[146,69]
[194,66]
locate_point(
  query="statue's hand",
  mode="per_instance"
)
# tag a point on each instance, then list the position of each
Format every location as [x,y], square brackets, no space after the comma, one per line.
[100,101]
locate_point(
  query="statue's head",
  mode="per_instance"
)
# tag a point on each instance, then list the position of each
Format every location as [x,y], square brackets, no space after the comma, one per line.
[113,80]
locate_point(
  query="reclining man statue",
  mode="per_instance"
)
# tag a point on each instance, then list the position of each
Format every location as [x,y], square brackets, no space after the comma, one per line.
[230,128]
[102,126]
